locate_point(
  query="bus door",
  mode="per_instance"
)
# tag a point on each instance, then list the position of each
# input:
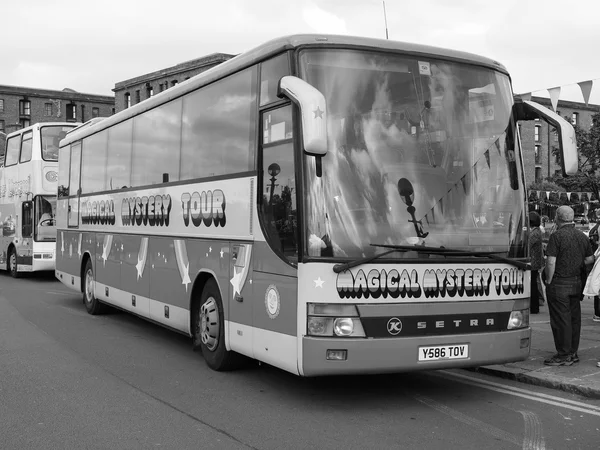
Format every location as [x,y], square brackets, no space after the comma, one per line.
[74,189]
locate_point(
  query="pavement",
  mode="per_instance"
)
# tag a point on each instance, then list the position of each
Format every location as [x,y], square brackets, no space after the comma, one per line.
[581,378]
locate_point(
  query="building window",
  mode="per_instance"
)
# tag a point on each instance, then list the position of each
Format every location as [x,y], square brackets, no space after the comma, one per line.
[95,112]
[149,91]
[538,154]
[127,100]
[24,107]
[47,109]
[538,174]
[2,126]
[537,133]
[71,112]
[575,118]
[25,123]
[1,105]
[555,133]
[161,87]
[137,96]
[174,83]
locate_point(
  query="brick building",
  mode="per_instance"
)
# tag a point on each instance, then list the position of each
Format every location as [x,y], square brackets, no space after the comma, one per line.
[538,139]
[134,90]
[23,106]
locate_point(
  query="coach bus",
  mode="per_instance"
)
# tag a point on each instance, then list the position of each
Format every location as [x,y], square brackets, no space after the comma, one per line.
[28,183]
[323,204]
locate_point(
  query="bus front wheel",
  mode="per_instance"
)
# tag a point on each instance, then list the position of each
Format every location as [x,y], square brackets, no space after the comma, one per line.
[12,263]
[209,331]
[93,306]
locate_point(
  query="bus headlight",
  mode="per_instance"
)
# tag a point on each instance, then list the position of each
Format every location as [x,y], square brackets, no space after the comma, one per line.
[343,326]
[518,319]
[333,320]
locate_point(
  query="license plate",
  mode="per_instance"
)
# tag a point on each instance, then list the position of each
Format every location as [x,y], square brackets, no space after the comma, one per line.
[441,352]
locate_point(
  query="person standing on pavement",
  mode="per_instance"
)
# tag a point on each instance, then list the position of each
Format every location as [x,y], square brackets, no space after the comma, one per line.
[567,252]
[535,251]
[594,236]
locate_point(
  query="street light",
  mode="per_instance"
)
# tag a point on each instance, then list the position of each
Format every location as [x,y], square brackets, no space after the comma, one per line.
[273,170]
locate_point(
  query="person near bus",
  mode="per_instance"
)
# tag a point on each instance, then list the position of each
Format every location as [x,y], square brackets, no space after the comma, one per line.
[535,251]
[594,238]
[568,250]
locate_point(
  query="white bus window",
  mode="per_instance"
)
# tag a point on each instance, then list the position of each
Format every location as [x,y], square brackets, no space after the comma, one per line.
[26,147]
[51,137]
[118,164]
[93,165]
[156,145]
[12,150]
[219,128]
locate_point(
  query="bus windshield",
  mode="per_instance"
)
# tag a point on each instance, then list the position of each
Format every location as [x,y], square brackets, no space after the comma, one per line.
[420,152]
[44,221]
[51,136]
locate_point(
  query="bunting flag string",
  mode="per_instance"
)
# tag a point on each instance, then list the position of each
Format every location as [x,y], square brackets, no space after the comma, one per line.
[554,92]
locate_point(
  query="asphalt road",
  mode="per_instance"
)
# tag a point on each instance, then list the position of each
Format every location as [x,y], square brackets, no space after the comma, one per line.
[69,380]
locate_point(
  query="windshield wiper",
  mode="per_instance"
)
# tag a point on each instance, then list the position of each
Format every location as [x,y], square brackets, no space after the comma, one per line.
[455,252]
[345,266]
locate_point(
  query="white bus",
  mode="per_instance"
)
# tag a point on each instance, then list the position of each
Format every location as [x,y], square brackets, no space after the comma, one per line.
[323,204]
[28,183]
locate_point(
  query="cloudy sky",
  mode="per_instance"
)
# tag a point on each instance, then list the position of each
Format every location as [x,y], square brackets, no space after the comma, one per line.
[89,46]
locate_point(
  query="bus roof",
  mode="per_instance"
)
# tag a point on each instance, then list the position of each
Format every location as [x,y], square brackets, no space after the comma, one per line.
[269,49]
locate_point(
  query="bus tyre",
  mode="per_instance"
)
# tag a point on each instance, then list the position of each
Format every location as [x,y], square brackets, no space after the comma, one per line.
[92,304]
[12,263]
[209,331]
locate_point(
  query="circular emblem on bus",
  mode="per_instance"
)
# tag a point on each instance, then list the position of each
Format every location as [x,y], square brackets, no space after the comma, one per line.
[51,176]
[394,326]
[272,301]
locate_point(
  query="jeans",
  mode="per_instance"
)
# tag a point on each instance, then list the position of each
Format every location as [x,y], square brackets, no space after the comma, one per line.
[597,306]
[534,303]
[565,314]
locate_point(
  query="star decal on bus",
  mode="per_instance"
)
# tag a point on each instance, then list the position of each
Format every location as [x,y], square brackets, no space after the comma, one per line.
[318,113]
[318,282]
[236,282]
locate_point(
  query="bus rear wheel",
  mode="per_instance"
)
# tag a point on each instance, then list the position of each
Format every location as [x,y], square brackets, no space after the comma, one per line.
[12,263]
[92,304]
[209,331]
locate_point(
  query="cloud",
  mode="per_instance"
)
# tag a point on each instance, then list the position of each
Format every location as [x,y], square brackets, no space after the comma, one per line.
[322,21]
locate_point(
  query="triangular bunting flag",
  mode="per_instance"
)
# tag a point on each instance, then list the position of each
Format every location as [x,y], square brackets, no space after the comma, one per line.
[441,205]
[426,219]
[464,183]
[433,214]
[475,172]
[569,196]
[586,90]
[487,157]
[554,94]
[498,145]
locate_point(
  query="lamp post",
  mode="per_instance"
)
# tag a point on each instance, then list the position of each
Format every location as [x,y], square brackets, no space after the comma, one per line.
[407,194]
[273,170]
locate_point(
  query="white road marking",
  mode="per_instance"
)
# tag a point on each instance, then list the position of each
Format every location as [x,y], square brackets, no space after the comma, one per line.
[537,396]
[534,436]
[457,415]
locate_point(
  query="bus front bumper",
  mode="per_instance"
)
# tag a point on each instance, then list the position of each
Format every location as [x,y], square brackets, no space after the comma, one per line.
[369,356]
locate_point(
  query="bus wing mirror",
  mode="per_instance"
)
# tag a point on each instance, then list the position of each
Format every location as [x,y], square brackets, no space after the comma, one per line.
[528,110]
[313,111]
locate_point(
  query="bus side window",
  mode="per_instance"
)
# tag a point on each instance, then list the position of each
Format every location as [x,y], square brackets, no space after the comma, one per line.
[271,72]
[26,147]
[278,203]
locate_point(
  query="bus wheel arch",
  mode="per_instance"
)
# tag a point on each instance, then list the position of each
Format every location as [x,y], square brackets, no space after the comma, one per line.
[207,324]
[11,261]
